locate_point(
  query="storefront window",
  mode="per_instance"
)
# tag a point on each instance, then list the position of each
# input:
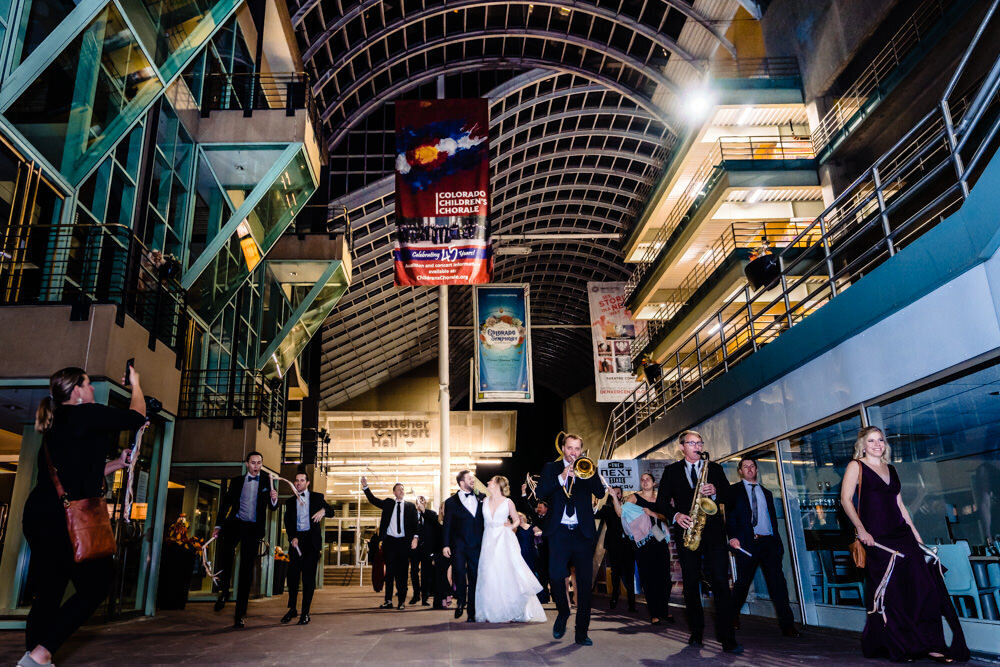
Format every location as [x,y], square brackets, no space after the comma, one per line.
[813,464]
[945,444]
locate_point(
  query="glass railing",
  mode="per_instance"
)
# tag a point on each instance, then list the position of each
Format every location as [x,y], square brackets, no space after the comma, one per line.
[725,152]
[739,236]
[922,179]
[223,394]
[80,265]
[755,68]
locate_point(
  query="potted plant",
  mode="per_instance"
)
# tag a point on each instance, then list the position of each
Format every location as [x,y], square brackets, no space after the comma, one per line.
[179,556]
[281,561]
[763,270]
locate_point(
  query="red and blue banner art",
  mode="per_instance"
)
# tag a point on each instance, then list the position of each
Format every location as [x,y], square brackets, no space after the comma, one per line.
[442,193]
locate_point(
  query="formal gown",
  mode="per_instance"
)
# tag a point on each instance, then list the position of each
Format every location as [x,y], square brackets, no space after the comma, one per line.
[653,559]
[915,600]
[506,589]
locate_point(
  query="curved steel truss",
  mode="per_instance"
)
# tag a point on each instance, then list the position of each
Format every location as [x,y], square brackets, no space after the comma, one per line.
[582,95]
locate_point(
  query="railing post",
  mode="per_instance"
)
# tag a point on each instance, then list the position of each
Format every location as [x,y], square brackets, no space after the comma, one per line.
[956,159]
[722,342]
[826,253]
[882,213]
[750,326]
[784,290]
[697,349]
[680,378]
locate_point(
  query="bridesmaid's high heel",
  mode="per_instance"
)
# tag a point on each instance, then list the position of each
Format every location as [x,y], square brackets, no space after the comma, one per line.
[943,659]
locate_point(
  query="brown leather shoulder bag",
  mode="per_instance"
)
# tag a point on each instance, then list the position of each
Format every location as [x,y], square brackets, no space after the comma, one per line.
[87,521]
[857,548]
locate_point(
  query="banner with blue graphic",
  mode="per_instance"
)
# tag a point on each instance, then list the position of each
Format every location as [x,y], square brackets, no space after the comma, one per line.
[503,344]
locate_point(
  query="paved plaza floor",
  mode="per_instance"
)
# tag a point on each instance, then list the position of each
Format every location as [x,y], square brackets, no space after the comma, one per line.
[346,629]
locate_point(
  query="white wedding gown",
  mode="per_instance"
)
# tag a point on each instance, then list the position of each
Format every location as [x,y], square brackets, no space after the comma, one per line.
[506,589]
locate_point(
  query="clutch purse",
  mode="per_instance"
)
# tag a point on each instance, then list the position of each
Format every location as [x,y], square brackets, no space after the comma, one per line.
[857,548]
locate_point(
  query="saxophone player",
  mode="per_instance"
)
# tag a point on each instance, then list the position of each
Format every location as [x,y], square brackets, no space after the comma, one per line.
[695,474]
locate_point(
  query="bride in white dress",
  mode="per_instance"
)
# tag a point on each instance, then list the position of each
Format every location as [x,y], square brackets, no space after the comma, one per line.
[506,589]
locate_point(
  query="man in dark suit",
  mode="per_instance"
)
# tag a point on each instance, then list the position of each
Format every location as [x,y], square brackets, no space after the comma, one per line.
[571,533]
[398,531]
[542,545]
[619,553]
[421,558]
[753,523]
[462,540]
[242,523]
[304,515]
[676,494]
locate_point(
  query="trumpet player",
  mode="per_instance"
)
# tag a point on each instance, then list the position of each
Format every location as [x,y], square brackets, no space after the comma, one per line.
[701,547]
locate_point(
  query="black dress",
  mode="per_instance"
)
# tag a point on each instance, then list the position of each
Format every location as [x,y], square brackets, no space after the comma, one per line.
[653,559]
[915,597]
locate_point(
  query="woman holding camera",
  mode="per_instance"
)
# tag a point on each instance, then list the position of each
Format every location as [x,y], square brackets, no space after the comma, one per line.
[76,432]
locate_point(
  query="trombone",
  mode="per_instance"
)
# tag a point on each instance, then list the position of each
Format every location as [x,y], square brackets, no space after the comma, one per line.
[583,467]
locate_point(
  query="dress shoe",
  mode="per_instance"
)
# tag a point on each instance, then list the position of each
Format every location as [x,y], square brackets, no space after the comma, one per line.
[386,605]
[240,623]
[304,620]
[470,619]
[613,603]
[415,599]
[695,640]
[559,627]
[220,602]
[292,613]
[791,631]
[438,605]
[734,648]
[425,603]
[458,611]
[401,606]
[585,641]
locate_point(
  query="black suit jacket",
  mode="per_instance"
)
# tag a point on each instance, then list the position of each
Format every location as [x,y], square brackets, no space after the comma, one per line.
[614,538]
[230,504]
[460,527]
[312,538]
[428,532]
[739,517]
[675,495]
[550,490]
[388,507]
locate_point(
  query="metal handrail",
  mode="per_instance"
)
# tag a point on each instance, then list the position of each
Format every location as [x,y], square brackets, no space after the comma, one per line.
[902,43]
[745,235]
[85,263]
[911,187]
[220,394]
[725,149]
[781,67]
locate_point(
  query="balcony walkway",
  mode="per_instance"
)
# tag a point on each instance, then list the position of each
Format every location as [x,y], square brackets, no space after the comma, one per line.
[347,630]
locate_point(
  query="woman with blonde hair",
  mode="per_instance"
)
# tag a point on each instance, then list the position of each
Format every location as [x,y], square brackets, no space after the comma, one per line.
[506,589]
[905,595]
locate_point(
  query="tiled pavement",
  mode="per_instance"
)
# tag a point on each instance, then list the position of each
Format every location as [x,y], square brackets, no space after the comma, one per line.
[346,629]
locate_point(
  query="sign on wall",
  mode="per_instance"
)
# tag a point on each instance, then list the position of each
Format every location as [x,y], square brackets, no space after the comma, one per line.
[502,344]
[626,473]
[614,334]
[442,193]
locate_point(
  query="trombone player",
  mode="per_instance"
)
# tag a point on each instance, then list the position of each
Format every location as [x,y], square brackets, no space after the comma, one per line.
[696,486]
[567,486]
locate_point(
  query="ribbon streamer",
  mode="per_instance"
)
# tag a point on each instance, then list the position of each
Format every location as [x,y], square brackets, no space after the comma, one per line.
[133,458]
[298,497]
[205,563]
[878,601]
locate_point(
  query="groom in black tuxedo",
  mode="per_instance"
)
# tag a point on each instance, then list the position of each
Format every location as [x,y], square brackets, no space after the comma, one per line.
[463,538]
[571,534]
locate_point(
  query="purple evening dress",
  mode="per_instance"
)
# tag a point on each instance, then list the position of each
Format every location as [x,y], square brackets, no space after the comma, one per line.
[916,599]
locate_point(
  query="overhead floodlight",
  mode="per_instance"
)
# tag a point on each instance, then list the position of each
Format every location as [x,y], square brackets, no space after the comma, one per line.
[514,250]
[698,102]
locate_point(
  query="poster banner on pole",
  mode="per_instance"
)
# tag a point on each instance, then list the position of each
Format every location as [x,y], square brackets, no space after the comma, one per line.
[614,334]
[442,193]
[503,344]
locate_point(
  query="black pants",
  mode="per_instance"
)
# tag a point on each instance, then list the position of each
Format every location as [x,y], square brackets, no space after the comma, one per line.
[242,534]
[621,560]
[442,589]
[464,570]
[421,573]
[303,566]
[714,558]
[570,548]
[542,563]
[51,621]
[397,558]
[653,559]
[767,553]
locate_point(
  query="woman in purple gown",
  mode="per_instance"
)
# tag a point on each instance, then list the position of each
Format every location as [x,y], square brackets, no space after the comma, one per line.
[905,607]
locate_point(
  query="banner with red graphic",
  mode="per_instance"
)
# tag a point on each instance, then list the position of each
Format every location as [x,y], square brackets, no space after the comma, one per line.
[442,193]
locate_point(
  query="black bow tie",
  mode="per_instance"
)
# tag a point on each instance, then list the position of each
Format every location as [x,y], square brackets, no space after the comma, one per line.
[253,479]
[467,494]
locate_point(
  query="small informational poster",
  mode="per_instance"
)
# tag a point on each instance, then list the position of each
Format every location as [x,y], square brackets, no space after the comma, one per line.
[502,343]
[621,473]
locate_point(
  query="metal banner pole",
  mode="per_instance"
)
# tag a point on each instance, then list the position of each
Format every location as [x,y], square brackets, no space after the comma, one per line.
[444,395]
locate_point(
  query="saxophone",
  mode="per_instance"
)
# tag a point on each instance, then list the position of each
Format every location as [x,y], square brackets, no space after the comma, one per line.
[701,509]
